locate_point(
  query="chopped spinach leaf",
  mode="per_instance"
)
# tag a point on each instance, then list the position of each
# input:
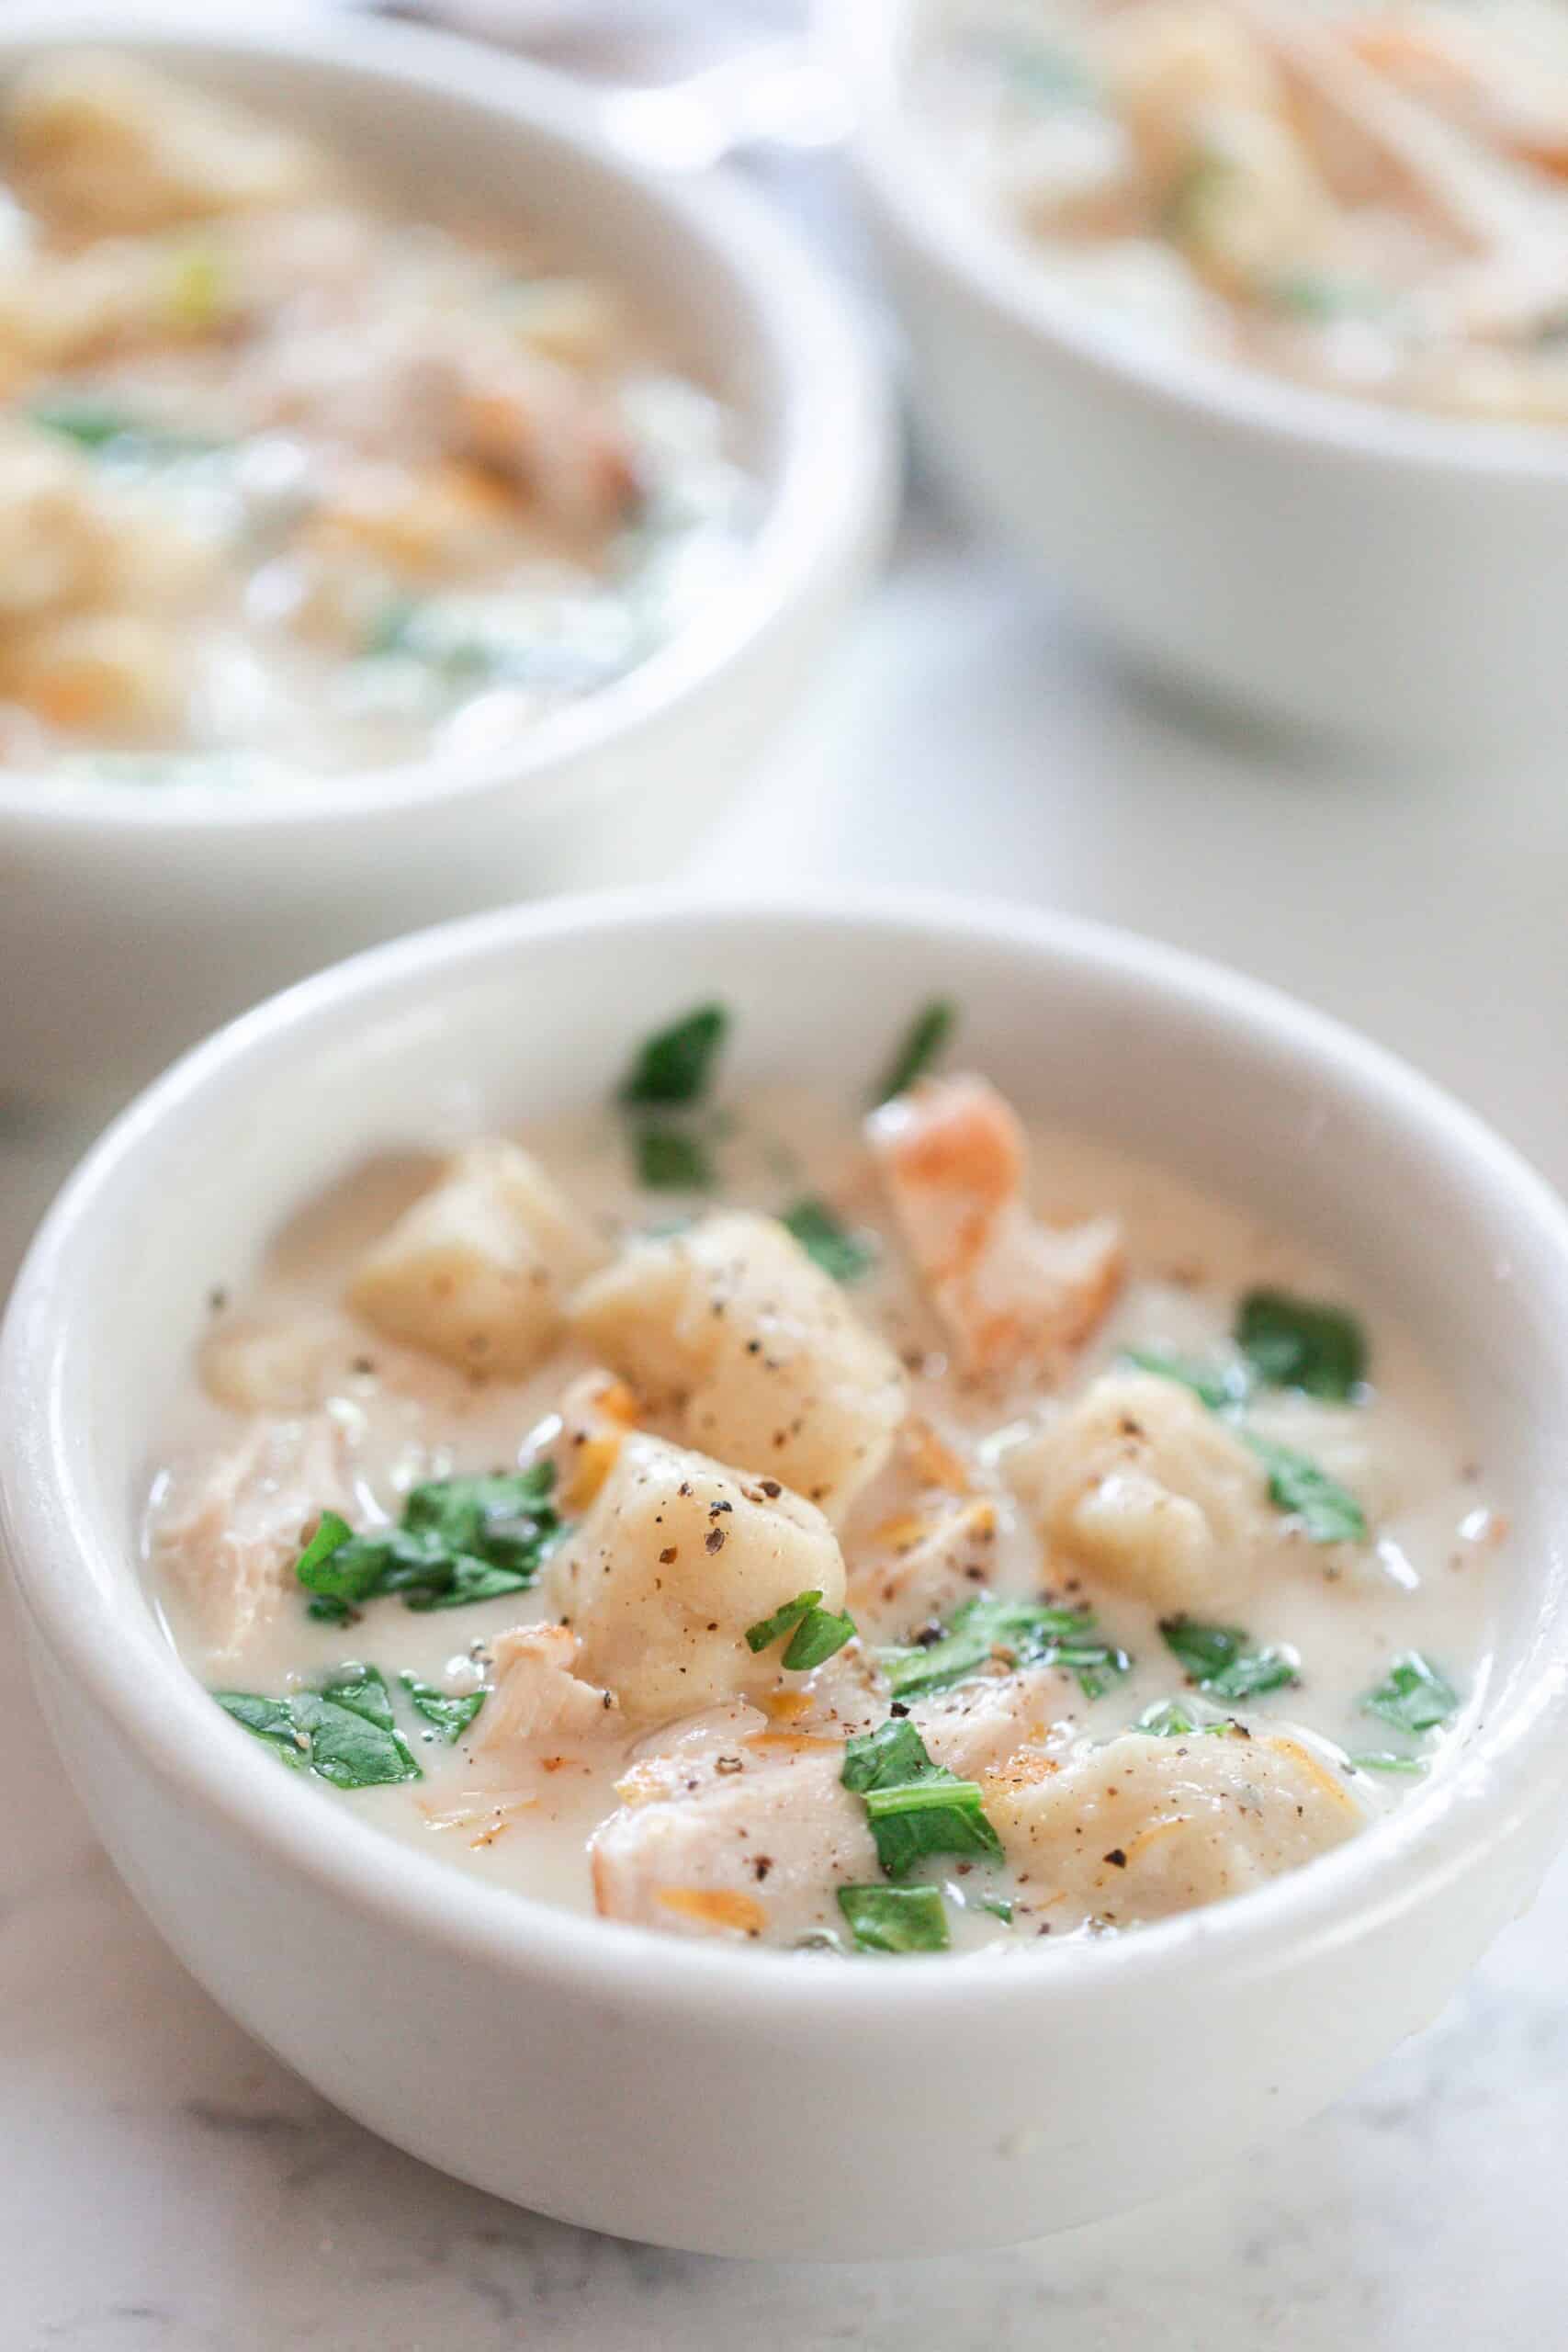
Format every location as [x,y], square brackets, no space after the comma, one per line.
[1413,1695]
[935,1814]
[1329,1513]
[669,1160]
[458,1540]
[1217,1658]
[1215,1388]
[818,1633]
[1381,1760]
[676,1064]
[1022,1632]
[915,1807]
[822,1236]
[922,1042]
[893,1752]
[331,1533]
[768,1630]
[895,1918]
[451,1715]
[268,1719]
[1299,1343]
[343,1729]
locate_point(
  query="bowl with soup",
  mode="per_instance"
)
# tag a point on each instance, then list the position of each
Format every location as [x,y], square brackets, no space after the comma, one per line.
[1248,316]
[780,1623]
[407,504]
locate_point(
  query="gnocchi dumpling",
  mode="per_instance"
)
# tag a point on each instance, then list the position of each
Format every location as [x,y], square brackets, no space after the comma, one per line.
[736,1341]
[675,1559]
[1143,1827]
[1138,1485]
[478,1270]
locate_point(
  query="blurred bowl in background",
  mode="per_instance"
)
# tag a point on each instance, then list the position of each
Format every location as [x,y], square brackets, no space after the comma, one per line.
[133,918]
[1350,567]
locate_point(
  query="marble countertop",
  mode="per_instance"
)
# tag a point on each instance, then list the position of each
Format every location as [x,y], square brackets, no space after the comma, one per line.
[171,2188]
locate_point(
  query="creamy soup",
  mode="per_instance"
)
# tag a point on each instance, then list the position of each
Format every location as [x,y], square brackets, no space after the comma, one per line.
[292,480]
[756,1519]
[1370,196]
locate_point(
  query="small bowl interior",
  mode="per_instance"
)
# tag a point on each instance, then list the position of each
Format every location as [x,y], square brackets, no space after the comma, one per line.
[507,1017]
[433,142]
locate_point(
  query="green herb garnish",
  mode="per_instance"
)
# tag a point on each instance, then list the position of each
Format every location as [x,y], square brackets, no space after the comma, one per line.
[924,1039]
[895,1918]
[1217,1658]
[1183,1719]
[1329,1513]
[915,1806]
[667,1161]
[458,1540]
[268,1719]
[1215,1388]
[1001,1906]
[1413,1695]
[1021,1634]
[451,1717]
[1381,1760]
[100,426]
[821,1233]
[76,416]
[675,1065]
[818,1633]
[343,1729]
[1298,1343]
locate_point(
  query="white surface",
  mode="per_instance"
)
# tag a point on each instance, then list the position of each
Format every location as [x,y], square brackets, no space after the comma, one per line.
[172,2186]
[1353,564]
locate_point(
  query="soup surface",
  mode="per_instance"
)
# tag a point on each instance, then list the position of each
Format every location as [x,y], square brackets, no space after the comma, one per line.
[760,1519]
[1370,196]
[294,481]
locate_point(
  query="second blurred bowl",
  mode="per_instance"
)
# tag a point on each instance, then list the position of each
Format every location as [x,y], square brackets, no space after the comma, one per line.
[1348,567]
[135,918]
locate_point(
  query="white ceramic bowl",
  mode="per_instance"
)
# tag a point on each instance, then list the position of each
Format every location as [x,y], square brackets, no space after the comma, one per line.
[730,2100]
[1352,567]
[133,918]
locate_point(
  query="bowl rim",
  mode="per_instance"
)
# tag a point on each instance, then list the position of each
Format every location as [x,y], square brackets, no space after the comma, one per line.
[930,209]
[828,478]
[1514,1770]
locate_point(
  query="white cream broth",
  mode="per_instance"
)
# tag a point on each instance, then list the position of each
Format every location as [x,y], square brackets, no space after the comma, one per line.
[1365,195]
[393,1416]
[295,481]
